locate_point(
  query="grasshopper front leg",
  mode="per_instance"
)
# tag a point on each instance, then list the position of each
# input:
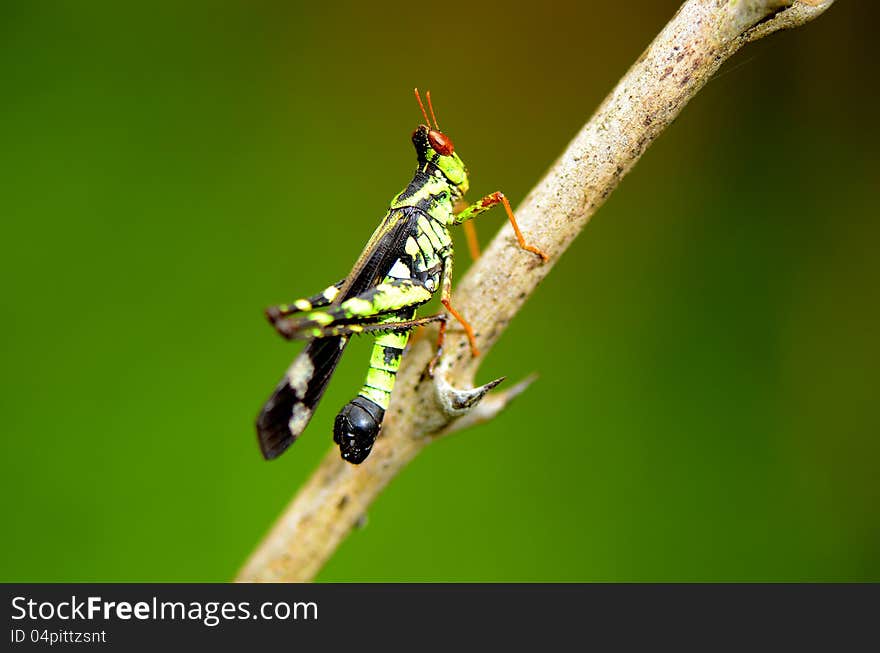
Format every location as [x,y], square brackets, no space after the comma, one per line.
[487,203]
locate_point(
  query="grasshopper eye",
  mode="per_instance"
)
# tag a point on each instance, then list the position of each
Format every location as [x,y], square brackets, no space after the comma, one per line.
[440,142]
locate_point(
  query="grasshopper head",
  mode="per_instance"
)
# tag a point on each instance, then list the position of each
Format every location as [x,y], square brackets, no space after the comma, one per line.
[435,147]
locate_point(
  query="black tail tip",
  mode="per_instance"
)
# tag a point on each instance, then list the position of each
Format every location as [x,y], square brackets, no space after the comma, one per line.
[356,428]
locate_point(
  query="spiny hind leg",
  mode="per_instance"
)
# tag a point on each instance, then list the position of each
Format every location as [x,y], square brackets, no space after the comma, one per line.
[324,298]
[382,301]
[392,325]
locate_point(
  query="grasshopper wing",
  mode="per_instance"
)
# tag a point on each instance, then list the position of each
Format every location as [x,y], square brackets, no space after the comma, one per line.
[384,247]
[290,408]
[288,411]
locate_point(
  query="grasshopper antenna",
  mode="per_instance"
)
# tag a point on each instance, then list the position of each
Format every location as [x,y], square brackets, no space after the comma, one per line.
[424,113]
[431,107]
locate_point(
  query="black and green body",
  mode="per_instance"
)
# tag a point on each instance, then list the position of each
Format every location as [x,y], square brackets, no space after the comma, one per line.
[407,259]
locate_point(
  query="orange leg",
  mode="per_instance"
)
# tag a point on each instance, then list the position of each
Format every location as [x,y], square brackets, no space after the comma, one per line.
[446,300]
[467,327]
[519,236]
[470,231]
[487,203]
[441,336]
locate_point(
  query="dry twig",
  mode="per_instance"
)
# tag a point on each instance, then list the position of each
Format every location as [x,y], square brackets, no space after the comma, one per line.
[689,50]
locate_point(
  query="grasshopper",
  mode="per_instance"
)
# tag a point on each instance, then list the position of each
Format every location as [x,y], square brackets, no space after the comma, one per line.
[408,258]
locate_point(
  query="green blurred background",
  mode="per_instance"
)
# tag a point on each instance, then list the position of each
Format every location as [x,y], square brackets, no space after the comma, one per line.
[708,348]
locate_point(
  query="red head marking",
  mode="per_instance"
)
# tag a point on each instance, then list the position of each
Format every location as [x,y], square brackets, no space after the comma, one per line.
[441,143]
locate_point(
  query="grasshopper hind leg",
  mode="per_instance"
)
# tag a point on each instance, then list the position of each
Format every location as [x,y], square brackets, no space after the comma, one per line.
[275,314]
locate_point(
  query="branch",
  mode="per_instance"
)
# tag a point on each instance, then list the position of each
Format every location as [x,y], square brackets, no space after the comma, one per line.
[689,50]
